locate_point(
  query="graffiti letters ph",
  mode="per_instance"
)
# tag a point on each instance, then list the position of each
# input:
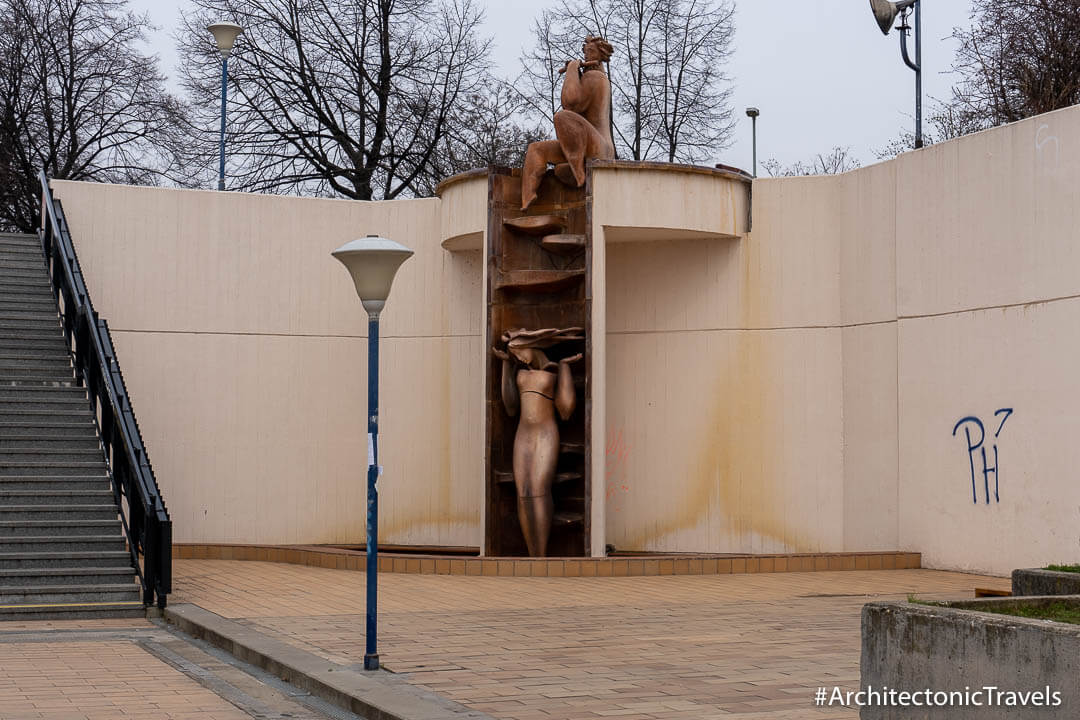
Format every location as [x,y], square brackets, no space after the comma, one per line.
[975,434]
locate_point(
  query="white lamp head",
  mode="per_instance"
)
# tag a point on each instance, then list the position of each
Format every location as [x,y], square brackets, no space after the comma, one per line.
[372,261]
[885,11]
[225,34]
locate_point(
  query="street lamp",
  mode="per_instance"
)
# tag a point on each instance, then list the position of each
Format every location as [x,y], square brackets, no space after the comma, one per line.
[885,12]
[752,113]
[225,34]
[372,261]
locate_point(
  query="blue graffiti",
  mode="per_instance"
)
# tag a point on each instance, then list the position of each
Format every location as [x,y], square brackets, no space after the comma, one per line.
[974,446]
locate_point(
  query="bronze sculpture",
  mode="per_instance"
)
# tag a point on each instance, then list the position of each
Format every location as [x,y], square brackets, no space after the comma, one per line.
[582,127]
[536,387]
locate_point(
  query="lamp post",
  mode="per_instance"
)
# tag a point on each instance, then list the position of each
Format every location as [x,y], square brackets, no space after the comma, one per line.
[885,11]
[372,262]
[225,34]
[752,113]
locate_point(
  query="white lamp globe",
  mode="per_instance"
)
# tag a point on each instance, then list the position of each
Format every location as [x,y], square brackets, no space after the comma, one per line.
[225,34]
[372,261]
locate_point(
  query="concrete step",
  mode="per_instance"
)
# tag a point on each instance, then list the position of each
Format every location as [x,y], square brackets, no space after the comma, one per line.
[51,456]
[30,468]
[30,484]
[62,543]
[10,271]
[89,441]
[47,394]
[23,261]
[35,303]
[41,315]
[97,592]
[54,354]
[14,366]
[35,294]
[58,528]
[58,512]
[51,342]
[32,577]
[44,319]
[33,333]
[31,379]
[20,237]
[10,247]
[34,416]
[72,611]
[50,430]
[13,283]
[42,406]
[54,560]
[54,494]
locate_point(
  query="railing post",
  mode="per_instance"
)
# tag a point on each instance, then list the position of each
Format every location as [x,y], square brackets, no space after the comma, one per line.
[164,576]
[149,544]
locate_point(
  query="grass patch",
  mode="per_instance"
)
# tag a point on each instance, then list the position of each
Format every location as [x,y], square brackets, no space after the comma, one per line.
[1063,568]
[1058,612]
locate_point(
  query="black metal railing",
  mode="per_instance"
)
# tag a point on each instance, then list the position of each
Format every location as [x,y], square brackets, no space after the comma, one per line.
[146,522]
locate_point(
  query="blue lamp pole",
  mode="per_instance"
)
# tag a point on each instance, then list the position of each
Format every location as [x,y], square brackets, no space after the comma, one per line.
[372,262]
[225,34]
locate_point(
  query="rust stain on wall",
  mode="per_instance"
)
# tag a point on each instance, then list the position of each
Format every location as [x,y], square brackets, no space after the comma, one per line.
[732,484]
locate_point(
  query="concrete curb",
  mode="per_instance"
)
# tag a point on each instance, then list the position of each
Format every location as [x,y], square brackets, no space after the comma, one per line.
[373,695]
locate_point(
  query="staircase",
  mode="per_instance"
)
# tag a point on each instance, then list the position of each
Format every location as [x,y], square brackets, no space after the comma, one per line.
[62,548]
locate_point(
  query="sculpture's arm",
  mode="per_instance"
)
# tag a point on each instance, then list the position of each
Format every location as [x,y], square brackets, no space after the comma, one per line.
[574,94]
[511,399]
[565,397]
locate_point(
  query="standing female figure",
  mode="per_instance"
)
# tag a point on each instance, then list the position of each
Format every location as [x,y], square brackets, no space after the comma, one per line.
[536,387]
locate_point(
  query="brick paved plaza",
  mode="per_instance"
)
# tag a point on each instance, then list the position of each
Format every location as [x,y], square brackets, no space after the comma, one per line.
[687,647]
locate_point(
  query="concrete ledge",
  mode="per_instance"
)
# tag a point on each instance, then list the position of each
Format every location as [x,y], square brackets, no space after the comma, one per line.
[914,647]
[374,695]
[1036,581]
[346,559]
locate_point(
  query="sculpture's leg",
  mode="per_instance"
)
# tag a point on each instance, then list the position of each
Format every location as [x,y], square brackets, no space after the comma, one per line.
[536,453]
[537,158]
[535,515]
[565,175]
[573,132]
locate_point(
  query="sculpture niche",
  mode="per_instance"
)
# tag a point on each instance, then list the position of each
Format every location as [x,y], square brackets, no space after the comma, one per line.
[536,387]
[582,127]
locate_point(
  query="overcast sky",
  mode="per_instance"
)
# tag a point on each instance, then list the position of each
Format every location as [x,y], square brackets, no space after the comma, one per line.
[820,71]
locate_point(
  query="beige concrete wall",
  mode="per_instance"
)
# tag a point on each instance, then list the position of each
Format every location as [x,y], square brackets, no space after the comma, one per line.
[244,347]
[988,247]
[797,388]
[723,427]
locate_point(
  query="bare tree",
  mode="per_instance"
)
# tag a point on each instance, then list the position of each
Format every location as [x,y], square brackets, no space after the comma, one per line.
[1017,59]
[944,121]
[78,100]
[837,160]
[670,95]
[485,130]
[347,97]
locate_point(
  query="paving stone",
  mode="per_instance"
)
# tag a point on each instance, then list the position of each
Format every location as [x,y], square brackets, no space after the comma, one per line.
[524,648]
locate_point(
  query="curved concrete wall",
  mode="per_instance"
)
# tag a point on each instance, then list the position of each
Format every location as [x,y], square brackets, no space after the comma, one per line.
[798,389]
[820,383]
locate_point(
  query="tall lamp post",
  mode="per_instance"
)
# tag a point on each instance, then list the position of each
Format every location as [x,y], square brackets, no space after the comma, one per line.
[225,34]
[885,12]
[372,262]
[752,113]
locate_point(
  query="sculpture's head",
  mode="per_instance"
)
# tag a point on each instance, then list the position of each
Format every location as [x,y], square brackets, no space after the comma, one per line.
[532,357]
[596,48]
